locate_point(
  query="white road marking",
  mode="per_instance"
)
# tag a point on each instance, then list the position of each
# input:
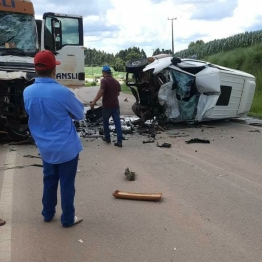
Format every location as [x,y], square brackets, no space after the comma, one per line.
[6,206]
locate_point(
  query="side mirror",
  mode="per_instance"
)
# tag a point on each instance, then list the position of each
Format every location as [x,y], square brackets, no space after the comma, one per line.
[56,33]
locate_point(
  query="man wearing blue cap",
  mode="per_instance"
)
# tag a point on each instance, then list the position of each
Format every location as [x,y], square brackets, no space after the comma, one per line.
[109,90]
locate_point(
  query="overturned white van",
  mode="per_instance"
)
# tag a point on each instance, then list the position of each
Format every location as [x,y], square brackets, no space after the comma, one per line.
[174,89]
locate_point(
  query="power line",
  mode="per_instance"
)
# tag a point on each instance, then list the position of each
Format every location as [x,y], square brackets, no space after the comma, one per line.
[221,14]
[199,5]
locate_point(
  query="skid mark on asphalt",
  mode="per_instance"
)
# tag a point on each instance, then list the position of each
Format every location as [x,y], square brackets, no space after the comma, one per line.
[6,206]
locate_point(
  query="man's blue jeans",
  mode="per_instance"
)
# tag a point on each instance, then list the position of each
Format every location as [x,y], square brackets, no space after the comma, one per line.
[115,113]
[66,173]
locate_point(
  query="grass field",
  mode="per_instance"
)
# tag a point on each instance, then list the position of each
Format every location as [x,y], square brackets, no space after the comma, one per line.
[92,72]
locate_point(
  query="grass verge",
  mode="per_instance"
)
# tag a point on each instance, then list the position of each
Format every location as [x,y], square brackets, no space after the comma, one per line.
[125,89]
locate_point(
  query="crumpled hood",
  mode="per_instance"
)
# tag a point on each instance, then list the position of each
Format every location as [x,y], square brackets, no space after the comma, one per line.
[159,64]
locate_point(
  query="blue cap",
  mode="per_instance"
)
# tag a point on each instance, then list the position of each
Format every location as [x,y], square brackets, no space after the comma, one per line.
[106,69]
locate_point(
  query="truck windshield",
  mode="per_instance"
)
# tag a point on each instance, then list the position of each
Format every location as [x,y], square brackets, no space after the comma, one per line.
[17,33]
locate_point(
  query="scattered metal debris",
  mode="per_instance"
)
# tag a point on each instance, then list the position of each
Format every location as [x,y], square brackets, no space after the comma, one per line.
[94,115]
[177,134]
[92,127]
[207,126]
[31,156]
[166,145]
[198,140]
[255,124]
[37,165]
[137,196]
[91,136]
[258,131]
[20,167]
[129,174]
[182,135]
[2,222]
[149,141]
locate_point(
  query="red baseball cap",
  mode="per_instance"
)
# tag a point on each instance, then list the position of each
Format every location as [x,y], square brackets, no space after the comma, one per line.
[45,60]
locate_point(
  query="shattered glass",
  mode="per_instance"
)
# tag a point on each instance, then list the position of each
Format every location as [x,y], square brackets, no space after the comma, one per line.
[188,109]
[18,31]
[182,83]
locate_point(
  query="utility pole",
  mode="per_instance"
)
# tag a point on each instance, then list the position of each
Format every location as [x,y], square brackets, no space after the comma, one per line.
[172,19]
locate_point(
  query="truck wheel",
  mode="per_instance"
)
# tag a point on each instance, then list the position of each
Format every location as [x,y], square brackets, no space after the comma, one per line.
[136,65]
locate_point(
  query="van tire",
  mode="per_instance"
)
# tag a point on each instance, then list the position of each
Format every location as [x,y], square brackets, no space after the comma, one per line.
[135,109]
[136,65]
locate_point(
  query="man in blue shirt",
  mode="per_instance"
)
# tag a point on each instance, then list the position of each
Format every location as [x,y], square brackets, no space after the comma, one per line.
[51,107]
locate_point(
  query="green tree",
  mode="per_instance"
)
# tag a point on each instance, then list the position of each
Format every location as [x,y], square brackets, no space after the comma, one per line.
[119,65]
[133,55]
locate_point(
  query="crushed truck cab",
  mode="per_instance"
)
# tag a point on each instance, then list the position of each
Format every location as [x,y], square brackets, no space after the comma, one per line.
[21,37]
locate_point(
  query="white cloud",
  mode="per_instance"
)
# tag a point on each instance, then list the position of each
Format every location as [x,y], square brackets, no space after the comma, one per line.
[113,25]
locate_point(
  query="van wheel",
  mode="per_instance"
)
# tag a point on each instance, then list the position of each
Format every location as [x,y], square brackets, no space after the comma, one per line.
[135,109]
[136,65]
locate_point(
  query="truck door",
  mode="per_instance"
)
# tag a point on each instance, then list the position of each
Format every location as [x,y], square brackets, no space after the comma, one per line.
[63,35]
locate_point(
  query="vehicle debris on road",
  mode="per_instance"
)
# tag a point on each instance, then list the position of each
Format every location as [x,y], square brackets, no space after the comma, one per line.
[166,145]
[255,131]
[129,174]
[31,156]
[137,196]
[198,140]
[2,222]
[149,141]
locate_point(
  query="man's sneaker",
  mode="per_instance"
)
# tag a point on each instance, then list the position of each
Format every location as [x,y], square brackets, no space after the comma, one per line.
[106,140]
[119,144]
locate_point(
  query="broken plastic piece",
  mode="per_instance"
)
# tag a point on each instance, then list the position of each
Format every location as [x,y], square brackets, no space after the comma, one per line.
[198,140]
[175,136]
[2,222]
[166,145]
[129,174]
[149,141]
[258,131]
[31,156]
[137,196]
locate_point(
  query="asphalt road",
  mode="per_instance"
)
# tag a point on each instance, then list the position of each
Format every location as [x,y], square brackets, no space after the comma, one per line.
[210,209]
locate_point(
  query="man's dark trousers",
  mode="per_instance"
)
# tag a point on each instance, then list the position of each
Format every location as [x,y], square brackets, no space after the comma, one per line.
[115,113]
[66,173]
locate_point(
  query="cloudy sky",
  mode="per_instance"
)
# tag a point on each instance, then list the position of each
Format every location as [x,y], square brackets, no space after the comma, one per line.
[114,25]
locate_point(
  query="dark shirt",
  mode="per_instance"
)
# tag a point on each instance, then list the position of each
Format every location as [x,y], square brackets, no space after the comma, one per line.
[111,88]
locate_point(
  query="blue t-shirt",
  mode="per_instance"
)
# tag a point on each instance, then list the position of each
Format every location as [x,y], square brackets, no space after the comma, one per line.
[48,105]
